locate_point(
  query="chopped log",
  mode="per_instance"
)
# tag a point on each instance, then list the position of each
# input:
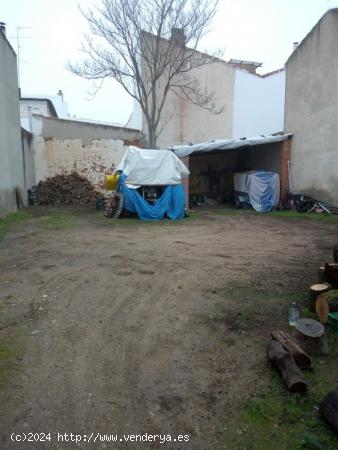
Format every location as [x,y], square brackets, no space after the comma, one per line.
[302,359]
[328,408]
[322,309]
[310,335]
[290,372]
[321,275]
[315,290]
[325,303]
[331,274]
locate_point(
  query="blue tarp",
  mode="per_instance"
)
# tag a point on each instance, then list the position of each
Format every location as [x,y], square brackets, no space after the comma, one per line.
[170,204]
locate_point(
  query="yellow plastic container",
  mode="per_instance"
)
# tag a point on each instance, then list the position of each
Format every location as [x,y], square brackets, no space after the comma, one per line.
[110,182]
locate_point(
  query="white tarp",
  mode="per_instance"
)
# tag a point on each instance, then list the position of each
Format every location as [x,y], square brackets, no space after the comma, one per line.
[262,187]
[144,167]
[227,144]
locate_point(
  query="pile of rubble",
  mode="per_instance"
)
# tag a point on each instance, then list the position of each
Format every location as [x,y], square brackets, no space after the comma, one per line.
[70,189]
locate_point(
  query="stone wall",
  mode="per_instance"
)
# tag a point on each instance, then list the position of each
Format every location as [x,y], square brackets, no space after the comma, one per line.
[64,146]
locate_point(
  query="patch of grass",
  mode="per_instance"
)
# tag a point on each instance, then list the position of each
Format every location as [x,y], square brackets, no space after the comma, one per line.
[6,356]
[232,212]
[100,218]
[275,419]
[265,301]
[279,420]
[10,221]
[57,221]
[324,217]
[10,353]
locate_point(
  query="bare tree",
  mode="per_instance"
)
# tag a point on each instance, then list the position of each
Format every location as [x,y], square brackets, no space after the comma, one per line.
[149,47]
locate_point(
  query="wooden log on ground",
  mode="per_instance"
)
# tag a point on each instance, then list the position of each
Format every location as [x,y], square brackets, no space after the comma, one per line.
[290,372]
[310,335]
[328,408]
[325,303]
[331,274]
[302,359]
[315,290]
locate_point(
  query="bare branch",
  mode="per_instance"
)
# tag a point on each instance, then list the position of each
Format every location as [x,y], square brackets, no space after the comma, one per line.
[131,41]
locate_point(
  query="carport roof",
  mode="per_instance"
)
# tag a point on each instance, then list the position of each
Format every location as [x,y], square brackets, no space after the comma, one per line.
[227,144]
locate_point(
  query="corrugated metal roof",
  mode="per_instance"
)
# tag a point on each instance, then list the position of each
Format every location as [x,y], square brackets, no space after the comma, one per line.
[227,144]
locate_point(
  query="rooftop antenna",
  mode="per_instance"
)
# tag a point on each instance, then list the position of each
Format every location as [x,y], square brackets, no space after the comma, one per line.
[18,38]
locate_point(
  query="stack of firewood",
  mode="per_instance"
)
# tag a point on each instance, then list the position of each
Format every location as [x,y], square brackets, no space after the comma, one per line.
[324,295]
[72,189]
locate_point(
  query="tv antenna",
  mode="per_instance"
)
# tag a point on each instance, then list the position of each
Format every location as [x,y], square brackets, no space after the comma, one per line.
[18,37]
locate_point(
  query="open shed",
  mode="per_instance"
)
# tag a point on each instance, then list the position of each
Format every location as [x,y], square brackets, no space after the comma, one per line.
[212,164]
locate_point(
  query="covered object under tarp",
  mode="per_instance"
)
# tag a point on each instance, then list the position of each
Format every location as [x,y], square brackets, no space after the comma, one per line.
[141,167]
[262,187]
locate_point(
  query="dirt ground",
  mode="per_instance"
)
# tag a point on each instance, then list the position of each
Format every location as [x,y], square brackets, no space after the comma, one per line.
[134,328]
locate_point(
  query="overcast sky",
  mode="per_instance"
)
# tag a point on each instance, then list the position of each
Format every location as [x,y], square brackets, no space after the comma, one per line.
[256,30]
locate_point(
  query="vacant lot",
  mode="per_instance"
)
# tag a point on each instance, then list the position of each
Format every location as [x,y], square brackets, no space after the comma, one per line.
[130,328]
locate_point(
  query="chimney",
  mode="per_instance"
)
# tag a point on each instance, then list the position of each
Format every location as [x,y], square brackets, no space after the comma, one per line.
[178,37]
[60,93]
[3,27]
[295,45]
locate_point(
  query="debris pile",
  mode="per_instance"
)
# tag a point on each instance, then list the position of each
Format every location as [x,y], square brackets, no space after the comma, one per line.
[72,189]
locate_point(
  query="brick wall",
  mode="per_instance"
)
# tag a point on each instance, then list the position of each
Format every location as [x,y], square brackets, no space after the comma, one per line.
[285,157]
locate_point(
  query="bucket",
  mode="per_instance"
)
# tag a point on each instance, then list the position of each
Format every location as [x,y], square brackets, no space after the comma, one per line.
[110,182]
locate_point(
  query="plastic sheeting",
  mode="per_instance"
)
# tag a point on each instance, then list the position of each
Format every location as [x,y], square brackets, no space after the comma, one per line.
[227,144]
[262,187]
[152,167]
[170,204]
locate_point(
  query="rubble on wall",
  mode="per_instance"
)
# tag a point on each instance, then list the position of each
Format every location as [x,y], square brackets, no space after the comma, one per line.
[67,189]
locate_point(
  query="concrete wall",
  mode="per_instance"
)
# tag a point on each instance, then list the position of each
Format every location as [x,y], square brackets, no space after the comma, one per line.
[11,157]
[258,104]
[64,146]
[189,123]
[311,111]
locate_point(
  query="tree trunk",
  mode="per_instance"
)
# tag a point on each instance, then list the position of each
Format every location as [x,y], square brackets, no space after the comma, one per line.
[287,367]
[315,290]
[151,136]
[328,408]
[302,359]
[310,334]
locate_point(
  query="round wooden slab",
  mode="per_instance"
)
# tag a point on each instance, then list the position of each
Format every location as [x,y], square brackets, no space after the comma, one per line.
[309,327]
[319,287]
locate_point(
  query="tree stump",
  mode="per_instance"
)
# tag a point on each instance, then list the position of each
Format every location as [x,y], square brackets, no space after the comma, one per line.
[325,303]
[321,275]
[328,408]
[315,290]
[310,335]
[331,274]
[290,372]
[302,359]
